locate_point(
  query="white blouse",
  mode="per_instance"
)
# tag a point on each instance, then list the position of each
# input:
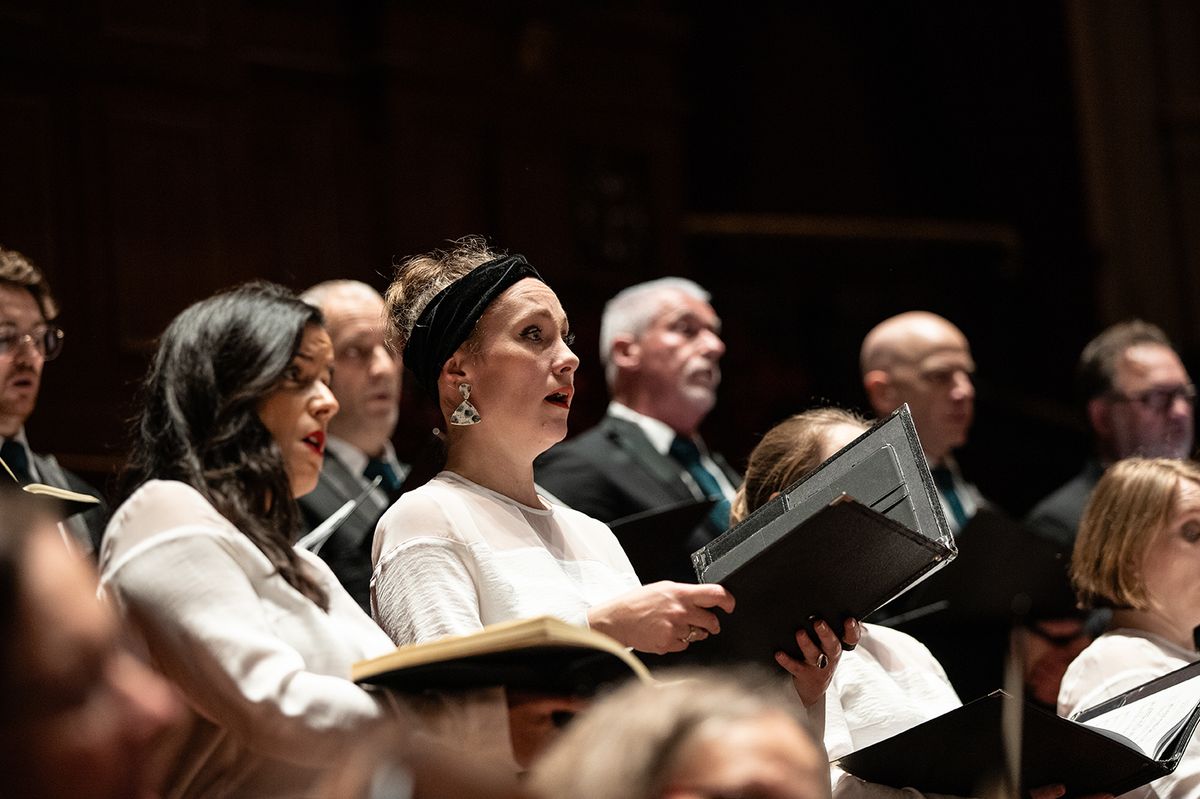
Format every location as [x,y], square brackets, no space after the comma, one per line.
[264,668]
[889,683]
[1116,662]
[453,556]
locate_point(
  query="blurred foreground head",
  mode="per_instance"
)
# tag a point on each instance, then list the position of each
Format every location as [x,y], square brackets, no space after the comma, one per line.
[79,715]
[699,735]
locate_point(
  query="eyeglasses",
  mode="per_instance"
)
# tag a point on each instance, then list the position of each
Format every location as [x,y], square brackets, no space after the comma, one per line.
[1159,400]
[46,339]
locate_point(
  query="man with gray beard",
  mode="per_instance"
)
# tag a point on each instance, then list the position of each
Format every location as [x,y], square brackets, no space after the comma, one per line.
[660,345]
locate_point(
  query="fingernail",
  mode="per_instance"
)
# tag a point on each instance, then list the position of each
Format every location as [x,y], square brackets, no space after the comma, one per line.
[821,626]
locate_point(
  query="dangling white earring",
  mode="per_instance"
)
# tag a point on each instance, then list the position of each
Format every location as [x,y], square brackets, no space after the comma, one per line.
[465,414]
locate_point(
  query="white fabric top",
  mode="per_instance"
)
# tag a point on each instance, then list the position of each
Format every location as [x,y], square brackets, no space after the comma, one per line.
[889,683]
[453,556]
[660,435]
[1116,662]
[264,668]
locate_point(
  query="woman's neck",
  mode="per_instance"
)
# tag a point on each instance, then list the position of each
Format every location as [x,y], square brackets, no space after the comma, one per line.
[1157,622]
[494,468]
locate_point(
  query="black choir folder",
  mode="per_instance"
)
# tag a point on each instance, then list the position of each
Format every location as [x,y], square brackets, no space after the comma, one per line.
[538,654]
[1114,747]
[656,540]
[855,533]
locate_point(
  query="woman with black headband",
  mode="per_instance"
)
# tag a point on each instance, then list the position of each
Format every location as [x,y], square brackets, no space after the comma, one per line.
[489,341]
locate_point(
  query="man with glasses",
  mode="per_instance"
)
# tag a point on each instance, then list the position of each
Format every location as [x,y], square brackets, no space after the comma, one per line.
[29,338]
[1139,402]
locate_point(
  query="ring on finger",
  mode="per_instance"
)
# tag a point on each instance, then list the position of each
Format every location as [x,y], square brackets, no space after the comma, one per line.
[693,634]
[822,661]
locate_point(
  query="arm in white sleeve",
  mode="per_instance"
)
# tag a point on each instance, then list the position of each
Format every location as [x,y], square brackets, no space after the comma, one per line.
[204,622]
[422,590]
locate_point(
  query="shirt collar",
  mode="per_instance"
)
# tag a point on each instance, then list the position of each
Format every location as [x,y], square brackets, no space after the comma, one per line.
[659,433]
[354,459]
[19,437]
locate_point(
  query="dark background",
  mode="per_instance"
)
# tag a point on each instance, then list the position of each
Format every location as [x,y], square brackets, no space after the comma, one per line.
[1030,170]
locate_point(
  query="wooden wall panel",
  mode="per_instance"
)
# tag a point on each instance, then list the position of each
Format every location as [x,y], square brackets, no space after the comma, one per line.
[182,23]
[26,206]
[166,214]
[1139,96]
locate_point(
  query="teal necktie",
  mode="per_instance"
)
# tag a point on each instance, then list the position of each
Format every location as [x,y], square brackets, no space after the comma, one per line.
[14,454]
[687,453]
[378,467]
[944,480]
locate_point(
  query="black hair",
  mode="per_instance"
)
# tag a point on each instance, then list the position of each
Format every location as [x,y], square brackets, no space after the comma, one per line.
[199,424]
[1098,362]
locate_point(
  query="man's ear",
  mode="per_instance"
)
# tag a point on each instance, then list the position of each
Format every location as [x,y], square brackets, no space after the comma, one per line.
[1098,409]
[881,392]
[626,353]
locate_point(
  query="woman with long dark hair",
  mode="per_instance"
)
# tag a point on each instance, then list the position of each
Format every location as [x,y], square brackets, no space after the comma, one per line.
[258,637]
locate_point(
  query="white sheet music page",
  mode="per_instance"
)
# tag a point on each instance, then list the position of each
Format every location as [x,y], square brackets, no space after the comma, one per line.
[1151,721]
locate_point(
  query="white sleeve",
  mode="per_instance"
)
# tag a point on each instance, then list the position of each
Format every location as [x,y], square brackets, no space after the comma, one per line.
[203,620]
[423,589]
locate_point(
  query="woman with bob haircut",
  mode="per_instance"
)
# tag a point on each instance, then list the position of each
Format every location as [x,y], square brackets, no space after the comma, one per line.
[890,682]
[257,636]
[696,734]
[487,339]
[1138,553]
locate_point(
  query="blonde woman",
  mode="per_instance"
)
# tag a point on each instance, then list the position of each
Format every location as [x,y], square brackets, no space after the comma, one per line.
[1138,552]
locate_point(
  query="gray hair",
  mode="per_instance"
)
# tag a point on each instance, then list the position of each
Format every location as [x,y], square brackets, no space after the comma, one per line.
[634,309]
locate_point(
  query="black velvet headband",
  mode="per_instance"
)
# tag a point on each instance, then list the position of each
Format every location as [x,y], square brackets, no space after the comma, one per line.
[448,319]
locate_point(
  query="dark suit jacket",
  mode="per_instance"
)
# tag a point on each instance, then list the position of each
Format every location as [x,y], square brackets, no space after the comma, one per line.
[613,471]
[348,550]
[1056,518]
[86,528]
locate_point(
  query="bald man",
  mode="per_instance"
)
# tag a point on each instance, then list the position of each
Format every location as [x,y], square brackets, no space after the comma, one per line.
[366,382]
[922,359]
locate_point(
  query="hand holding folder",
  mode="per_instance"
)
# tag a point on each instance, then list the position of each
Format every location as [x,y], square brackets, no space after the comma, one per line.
[839,544]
